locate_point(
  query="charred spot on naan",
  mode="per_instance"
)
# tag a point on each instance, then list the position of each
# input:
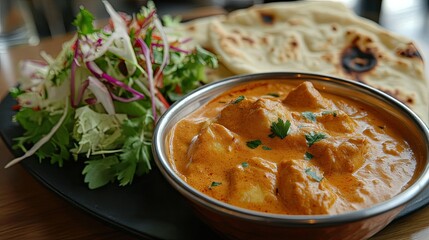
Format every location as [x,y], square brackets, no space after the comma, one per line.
[409,52]
[359,56]
[267,18]
[294,43]
[354,60]
[191,28]
[248,40]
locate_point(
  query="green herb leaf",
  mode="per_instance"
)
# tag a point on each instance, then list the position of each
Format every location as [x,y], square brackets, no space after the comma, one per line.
[137,154]
[84,22]
[266,148]
[245,164]
[253,144]
[309,115]
[148,41]
[313,175]
[205,57]
[170,21]
[280,128]
[37,124]
[273,94]
[333,112]
[215,184]
[184,71]
[308,156]
[238,99]
[314,137]
[100,172]
[131,136]
[15,92]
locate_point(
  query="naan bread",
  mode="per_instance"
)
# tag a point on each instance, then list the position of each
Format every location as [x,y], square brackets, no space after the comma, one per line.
[199,31]
[318,37]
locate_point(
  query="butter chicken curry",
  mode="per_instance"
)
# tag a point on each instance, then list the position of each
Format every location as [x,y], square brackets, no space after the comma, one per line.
[274,147]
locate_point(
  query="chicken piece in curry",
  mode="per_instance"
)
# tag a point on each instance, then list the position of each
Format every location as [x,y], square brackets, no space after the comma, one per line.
[280,148]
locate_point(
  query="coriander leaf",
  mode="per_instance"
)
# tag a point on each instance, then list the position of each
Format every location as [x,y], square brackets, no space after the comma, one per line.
[273,94]
[238,99]
[313,175]
[245,164]
[39,123]
[135,160]
[205,57]
[308,156]
[309,115]
[100,172]
[148,41]
[333,113]
[280,128]
[266,148]
[170,21]
[184,72]
[133,109]
[215,184]
[62,75]
[137,153]
[131,136]
[84,22]
[15,92]
[314,137]
[253,144]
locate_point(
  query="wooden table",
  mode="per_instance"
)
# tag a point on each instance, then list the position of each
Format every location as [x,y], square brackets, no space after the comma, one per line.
[28,210]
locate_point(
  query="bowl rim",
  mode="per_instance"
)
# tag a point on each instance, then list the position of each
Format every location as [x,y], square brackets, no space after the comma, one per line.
[398,201]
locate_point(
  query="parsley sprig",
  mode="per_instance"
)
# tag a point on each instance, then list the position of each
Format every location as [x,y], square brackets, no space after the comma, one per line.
[84,22]
[238,99]
[330,112]
[254,143]
[280,128]
[215,184]
[313,175]
[309,115]
[274,94]
[314,137]
[134,160]
[308,156]
[38,123]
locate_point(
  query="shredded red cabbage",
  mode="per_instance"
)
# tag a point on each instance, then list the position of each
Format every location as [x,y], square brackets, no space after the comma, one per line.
[97,72]
[73,73]
[146,53]
[147,20]
[91,101]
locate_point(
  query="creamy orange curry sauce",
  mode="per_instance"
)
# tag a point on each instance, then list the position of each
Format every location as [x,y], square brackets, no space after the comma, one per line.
[273,147]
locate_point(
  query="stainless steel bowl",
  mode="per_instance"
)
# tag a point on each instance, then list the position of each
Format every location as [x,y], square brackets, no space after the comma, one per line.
[234,222]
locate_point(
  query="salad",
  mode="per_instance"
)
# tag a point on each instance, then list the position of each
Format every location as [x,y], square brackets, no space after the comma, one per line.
[99,99]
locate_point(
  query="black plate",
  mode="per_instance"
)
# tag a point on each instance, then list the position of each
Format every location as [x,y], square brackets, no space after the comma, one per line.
[150,207]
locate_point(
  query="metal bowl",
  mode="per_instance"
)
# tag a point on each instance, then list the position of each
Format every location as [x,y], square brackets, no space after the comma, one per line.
[239,223]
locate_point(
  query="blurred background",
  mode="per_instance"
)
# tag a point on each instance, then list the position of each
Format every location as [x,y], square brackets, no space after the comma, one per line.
[28,21]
